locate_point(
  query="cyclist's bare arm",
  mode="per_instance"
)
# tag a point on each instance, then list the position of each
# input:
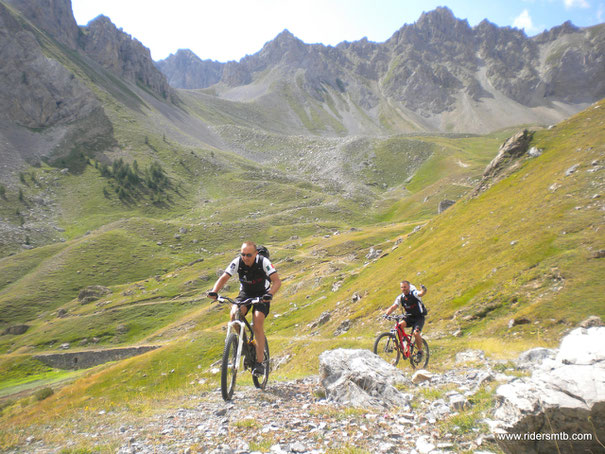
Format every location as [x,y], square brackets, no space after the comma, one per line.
[422,291]
[275,283]
[392,308]
[220,283]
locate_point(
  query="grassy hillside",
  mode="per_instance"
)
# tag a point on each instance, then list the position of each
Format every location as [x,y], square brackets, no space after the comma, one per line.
[527,248]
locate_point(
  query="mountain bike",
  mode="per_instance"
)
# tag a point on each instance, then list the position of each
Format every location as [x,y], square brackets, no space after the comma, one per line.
[240,344]
[396,343]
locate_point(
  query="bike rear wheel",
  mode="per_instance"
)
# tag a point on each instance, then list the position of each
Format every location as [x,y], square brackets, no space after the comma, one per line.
[229,366]
[385,346]
[261,381]
[422,360]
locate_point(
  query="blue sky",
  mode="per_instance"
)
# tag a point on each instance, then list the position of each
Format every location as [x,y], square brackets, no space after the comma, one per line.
[226,30]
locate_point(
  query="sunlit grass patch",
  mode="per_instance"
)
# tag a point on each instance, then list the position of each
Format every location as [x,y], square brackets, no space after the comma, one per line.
[347,448]
[247,423]
[339,413]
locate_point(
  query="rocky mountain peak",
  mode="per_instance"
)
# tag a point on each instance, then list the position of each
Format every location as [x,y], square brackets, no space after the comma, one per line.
[440,18]
[285,49]
[435,28]
[185,54]
[441,25]
[284,36]
[52,16]
[283,46]
[486,26]
[555,32]
[101,20]
[184,69]
[123,55]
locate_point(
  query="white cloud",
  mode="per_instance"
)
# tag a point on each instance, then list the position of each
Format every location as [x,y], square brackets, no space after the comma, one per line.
[576,4]
[523,21]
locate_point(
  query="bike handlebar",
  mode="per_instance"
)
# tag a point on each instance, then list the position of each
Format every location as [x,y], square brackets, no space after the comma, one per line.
[226,299]
[394,317]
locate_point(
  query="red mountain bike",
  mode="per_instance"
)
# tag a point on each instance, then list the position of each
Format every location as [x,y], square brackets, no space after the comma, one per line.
[396,343]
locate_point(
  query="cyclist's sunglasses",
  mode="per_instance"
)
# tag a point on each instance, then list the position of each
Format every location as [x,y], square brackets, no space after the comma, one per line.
[247,255]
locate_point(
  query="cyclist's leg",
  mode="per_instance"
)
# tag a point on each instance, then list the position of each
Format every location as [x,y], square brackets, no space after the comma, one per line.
[261,310]
[404,321]
[243,309]
[233,314]
[417,329]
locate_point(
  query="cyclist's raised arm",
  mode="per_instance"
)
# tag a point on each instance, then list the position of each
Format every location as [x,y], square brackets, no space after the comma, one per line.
[422,291]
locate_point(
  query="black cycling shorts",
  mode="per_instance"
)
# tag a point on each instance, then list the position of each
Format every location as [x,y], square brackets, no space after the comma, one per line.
[415,321]
[261,307]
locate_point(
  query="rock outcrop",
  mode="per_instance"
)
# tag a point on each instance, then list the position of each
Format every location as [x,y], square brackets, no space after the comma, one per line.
[361,379]
[506,160]
[36,91]
[45,110]
[55,17]
[124,56]
[564,397]
[16,330]
[444,205]
[91,358]
[113,49]
[92,293]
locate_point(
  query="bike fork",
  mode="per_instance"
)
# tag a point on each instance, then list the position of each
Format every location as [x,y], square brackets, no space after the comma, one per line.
[240,344]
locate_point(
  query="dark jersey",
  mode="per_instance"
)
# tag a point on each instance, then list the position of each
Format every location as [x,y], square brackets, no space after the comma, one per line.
[254,279]
[411,303]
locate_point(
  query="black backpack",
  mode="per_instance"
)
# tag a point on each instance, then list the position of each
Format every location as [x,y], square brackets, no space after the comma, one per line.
[262,250]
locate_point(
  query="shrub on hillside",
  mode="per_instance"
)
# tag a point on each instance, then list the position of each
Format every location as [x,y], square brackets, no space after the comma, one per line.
[130,183]
[43,393]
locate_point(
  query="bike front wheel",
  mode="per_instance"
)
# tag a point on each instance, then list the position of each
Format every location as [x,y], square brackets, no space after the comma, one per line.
[229,366]
[260,381]
[385,346]
[419,359]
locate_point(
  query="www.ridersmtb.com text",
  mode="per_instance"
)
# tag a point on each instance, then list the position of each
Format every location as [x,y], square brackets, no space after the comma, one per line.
[538,436]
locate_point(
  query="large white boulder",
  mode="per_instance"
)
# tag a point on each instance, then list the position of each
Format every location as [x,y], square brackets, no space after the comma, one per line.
[564,397]
[361,379]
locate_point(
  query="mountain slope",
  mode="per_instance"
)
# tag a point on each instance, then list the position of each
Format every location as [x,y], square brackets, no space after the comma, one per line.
[438,74]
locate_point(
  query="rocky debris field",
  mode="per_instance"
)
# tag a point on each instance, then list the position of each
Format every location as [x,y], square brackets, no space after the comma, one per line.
[292,417]
[288,417]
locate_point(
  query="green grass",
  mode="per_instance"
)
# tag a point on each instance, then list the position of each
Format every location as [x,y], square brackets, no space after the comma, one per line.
[105,258]
[18,372]
[347,449]
[468,420]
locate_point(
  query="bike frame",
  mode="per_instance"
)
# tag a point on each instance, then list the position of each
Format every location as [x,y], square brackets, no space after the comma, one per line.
[402,336]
